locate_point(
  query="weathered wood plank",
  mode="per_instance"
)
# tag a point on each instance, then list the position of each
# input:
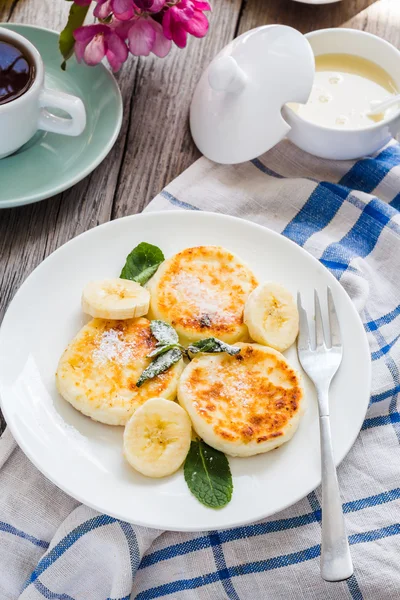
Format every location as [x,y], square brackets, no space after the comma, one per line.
[44,13]
[159,146]
[377,16]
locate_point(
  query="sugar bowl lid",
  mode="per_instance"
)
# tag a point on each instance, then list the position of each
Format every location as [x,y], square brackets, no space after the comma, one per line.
[235,113]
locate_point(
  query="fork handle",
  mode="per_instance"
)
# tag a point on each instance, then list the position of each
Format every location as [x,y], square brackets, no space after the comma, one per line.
[336,563]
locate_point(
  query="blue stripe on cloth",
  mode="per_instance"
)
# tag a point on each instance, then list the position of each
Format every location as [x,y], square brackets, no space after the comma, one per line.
[381,420]
[349,196]
[367,173]
[229,535]
[396,202]
[352,582]
[317,212]
[314,503]
[131,540]
[390,155]
[376,500]
[200,543]
[128,597]
[375,534]
[334,265]
[362,237]
[257,529]
[220,563]
[384,320]
[258,164]
[66,542]
[46,593]
[261,565]
[354,588]
[385,395]
[267,527]
[276,562]
[177,202]
[244,569]
[395,373]
[384,350]
[393,225]
[7,528]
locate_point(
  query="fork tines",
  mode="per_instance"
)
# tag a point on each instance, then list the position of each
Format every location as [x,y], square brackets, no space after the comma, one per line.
[322,338]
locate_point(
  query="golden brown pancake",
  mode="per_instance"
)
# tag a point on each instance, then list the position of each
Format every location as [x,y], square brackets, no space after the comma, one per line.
[244,404]
[201,292]
[99,369]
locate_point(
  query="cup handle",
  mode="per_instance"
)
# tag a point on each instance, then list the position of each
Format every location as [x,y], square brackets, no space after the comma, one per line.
[71,104]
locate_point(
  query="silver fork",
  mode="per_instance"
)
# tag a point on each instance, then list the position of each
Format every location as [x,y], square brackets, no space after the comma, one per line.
[321,358]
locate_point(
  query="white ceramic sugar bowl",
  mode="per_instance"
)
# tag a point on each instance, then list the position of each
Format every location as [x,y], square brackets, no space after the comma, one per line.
[239,110]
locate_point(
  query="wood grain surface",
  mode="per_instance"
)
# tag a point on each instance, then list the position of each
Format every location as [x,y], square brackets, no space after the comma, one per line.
[154,145]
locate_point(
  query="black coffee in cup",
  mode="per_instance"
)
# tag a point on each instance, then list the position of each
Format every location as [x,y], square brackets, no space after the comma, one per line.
[17,71]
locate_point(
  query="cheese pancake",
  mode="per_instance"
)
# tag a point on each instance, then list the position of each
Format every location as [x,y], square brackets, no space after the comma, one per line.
[244,404]
[99,369]
[201,292]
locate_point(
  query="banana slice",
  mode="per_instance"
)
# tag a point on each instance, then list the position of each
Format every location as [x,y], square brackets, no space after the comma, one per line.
[157,438]
[115,299]
[271,316]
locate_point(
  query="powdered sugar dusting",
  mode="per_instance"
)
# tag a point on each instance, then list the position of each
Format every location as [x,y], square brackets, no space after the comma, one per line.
[113,347]
[202,299]
[241,386]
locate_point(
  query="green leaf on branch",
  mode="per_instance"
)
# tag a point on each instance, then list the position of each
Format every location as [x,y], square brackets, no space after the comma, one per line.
[66,41]
[160,365]
[212,345]
[163,332]
[161,350]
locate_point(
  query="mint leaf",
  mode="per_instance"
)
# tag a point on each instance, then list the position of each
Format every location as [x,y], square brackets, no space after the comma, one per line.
[161,350]
[208,475]
[142,263]
[66,40]
[159,365]
[212,345]
[164,333]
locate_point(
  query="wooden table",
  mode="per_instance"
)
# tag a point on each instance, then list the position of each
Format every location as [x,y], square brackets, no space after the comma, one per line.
[154,145]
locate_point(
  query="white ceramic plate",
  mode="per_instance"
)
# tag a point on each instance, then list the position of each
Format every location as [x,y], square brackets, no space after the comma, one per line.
[84,458]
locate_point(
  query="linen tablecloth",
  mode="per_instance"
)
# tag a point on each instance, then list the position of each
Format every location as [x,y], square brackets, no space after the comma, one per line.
[347,215]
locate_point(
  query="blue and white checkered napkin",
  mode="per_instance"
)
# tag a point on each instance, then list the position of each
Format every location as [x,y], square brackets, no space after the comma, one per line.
[347,215]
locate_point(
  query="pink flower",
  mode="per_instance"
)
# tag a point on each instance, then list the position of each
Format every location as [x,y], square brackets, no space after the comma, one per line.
[146,35]
[183,18]
[123,9]
[153,6]
[94,42]
[103,9]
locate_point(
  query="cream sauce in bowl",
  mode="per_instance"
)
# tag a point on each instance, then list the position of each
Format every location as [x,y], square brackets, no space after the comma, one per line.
[344,86]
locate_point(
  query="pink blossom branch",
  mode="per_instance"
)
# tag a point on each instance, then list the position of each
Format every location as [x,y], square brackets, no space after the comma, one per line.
[139,27]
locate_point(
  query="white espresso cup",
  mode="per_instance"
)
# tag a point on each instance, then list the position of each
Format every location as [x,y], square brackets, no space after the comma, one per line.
[22,117]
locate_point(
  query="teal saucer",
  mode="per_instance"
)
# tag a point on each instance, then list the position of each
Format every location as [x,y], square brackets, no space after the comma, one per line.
[50,163]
